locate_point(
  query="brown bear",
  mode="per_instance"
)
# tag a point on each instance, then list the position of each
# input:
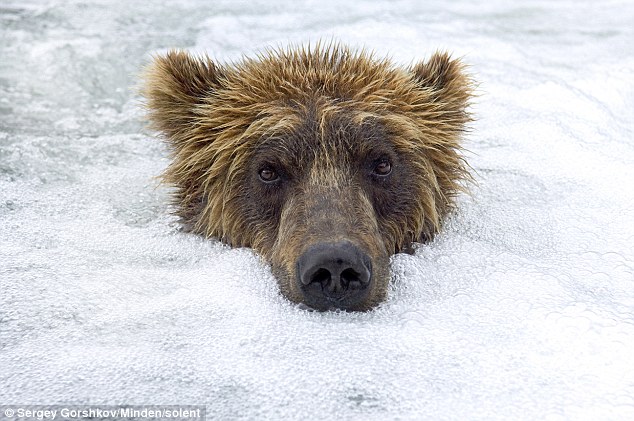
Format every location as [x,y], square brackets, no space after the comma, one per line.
[324,159]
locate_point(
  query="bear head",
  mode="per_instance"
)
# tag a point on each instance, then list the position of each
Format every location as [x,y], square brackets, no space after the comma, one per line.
[324,160]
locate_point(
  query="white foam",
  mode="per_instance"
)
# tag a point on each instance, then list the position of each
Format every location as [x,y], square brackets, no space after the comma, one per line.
[523,308]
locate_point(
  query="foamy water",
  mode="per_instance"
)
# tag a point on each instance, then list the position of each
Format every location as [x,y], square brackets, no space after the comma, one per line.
[523,308]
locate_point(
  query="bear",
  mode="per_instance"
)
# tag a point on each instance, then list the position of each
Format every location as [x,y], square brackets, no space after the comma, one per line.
[324,159]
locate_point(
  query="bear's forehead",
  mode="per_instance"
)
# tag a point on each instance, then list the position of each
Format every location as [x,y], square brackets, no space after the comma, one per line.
[301,76]
[330,127]
[340,128]
[301,101]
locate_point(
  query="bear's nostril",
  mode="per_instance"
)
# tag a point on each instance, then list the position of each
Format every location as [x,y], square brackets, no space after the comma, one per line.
[321,276]
[349,278]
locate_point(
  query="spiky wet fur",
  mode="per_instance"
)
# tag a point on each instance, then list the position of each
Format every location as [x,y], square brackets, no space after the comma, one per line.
[319,110]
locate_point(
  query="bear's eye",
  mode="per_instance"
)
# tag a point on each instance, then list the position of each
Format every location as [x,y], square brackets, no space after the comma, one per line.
[383,168]
[268,175]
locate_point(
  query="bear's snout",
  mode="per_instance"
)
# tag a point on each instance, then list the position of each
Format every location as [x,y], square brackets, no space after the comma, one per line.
[334,275]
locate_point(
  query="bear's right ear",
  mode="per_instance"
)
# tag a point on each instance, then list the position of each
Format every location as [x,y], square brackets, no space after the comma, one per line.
[174,85]
[449,85]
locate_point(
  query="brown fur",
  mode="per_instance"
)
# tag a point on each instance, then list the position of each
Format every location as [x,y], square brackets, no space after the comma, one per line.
[319,116]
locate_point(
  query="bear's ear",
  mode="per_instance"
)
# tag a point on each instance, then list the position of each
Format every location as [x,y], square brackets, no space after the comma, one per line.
[174,85]
[449,85]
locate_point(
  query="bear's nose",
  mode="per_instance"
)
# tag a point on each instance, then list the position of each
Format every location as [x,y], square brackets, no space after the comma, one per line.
[334,275]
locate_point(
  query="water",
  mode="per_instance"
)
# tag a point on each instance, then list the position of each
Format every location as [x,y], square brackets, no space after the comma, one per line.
[523,308]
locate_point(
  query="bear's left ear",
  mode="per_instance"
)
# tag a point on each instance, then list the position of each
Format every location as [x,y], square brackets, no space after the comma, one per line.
[449,85]
[174,86]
